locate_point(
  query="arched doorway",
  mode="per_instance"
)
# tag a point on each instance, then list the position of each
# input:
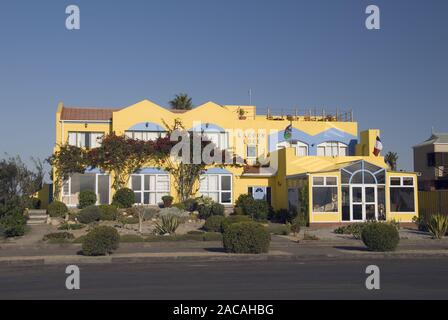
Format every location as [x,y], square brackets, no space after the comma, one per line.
[363,192]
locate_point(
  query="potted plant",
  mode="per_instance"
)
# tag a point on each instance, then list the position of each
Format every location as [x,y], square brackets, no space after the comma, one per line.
[241,113]
[167,201]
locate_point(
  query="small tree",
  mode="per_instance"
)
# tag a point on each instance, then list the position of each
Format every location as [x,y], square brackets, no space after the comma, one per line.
[120,155]
[391,159]
[140,212]
[181,102]
[65,161]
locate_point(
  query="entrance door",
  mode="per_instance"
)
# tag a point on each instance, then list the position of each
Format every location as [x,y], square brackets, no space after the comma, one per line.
[363,203]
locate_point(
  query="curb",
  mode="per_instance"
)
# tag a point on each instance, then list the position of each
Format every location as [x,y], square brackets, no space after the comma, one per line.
[193,257]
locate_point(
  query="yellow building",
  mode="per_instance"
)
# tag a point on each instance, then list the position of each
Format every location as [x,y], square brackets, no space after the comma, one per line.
[316,164]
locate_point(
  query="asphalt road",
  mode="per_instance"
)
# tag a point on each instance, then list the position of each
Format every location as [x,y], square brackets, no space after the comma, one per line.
[265,280]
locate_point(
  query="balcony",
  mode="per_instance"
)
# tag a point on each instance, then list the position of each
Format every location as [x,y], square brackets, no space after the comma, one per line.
[311,115]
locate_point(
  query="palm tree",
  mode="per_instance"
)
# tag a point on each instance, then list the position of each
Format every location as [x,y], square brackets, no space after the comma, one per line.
[181,102]
[391,159]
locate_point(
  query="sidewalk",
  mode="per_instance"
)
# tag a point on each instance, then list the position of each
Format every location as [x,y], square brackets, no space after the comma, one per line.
[282,249]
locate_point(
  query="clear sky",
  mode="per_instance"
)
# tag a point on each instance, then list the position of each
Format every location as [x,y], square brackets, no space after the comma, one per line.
[312,53]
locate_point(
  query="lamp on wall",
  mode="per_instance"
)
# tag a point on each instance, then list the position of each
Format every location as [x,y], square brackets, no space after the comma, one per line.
[85,125]
[147,124]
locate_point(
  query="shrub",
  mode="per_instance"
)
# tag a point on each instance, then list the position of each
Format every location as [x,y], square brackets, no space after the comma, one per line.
[178,213]
[210,209]
[59,236]
[14,225]
[279,229]
[378,236]
[100,241]
[108,212]
[217,209]
[179,205]
[131,238]
[190,204]
[89,215]
[213,223]
[437,226]
[257,209]
[35,203]
[421,223]
[168,225]
[234,219]
[354,229]
[124,198]
[282,216]
[246,237]
[86,199]
[296,225]
[167,201]
[57,209]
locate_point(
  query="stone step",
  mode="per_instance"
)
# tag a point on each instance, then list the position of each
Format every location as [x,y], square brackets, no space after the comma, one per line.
[33,212]
[44,216]
[36,221]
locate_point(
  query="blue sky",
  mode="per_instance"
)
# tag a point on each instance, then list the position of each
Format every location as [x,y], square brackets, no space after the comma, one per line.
[291,53]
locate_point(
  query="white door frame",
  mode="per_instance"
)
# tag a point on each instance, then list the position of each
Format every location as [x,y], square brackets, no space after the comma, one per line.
[363,201]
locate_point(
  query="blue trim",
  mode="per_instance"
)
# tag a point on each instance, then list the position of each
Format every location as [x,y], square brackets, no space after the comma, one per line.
[146,126]
[331,134]
[217,171]
[94,170]
[151,171]
[207,127]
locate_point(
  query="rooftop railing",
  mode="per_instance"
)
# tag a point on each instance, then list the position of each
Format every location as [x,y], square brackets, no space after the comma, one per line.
[313,114]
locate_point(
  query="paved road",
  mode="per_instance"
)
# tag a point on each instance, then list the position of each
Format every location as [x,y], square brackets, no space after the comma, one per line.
[341,279]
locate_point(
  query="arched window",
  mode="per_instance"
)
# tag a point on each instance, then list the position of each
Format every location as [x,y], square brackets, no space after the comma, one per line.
[301,147]
[145,131]
[332,149]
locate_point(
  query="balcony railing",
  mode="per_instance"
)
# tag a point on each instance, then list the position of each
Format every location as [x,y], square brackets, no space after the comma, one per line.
[313,114]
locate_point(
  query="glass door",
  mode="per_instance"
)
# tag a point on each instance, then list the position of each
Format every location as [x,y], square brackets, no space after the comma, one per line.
[363,203]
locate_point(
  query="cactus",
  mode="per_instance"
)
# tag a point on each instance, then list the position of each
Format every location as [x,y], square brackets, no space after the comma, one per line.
[168,225]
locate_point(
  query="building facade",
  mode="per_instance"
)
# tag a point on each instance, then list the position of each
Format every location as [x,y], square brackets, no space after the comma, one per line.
[315,164]
[431,161]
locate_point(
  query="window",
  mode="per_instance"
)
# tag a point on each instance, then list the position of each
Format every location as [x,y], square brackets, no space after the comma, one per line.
[251,151]
[260,193]
[301,147]
[98,183]
[332,149]
[325,194]
[145,135]
[150,188]
[85,139]
[217,186]
[402,194]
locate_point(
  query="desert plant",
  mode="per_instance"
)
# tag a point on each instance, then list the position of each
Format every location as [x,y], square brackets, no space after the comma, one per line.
[296,226]
[139,211]
[422,224]
[246,237]
[86,198]
[108,212]
[353,229]
[167,201]
[211,209]
[437,226]
[379,236]
[100,241]
[214,223]
[124,198]
[73,226]
[89,215]
[57,209]
[190,204]
[168,225]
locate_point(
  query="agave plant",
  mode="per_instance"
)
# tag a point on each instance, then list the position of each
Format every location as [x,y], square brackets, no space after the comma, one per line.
[437,226]
[168,224]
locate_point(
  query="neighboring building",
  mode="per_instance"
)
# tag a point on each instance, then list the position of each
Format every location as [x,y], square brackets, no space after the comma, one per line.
[320,165]
[431,160]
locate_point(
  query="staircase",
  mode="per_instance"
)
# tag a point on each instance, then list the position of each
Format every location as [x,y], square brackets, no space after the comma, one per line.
[36,217]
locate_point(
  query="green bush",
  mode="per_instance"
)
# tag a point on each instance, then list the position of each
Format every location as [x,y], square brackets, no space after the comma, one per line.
[282,216]
[422,224]
[14,225]
[100,241]
[86,199]
[437,226]
[246,237]
[213,223]
[279,229]
[168,225]
[57,209]
[234,219]
[124,198]
[89,215]
[190,204]
[108,212]
[256,209]
[2,232]
[354,229]
[59,236]
[378,236]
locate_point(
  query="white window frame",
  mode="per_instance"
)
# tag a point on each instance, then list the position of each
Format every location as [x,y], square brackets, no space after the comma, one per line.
[69,194]
[78,141]
[156,192]
[247,151]
[300,144]
[324,185]
[401,185]
[329,146]
[219,191]
[145,135]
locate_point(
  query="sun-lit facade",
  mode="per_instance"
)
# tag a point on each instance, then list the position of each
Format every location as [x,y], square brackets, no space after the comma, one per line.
[321,166]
